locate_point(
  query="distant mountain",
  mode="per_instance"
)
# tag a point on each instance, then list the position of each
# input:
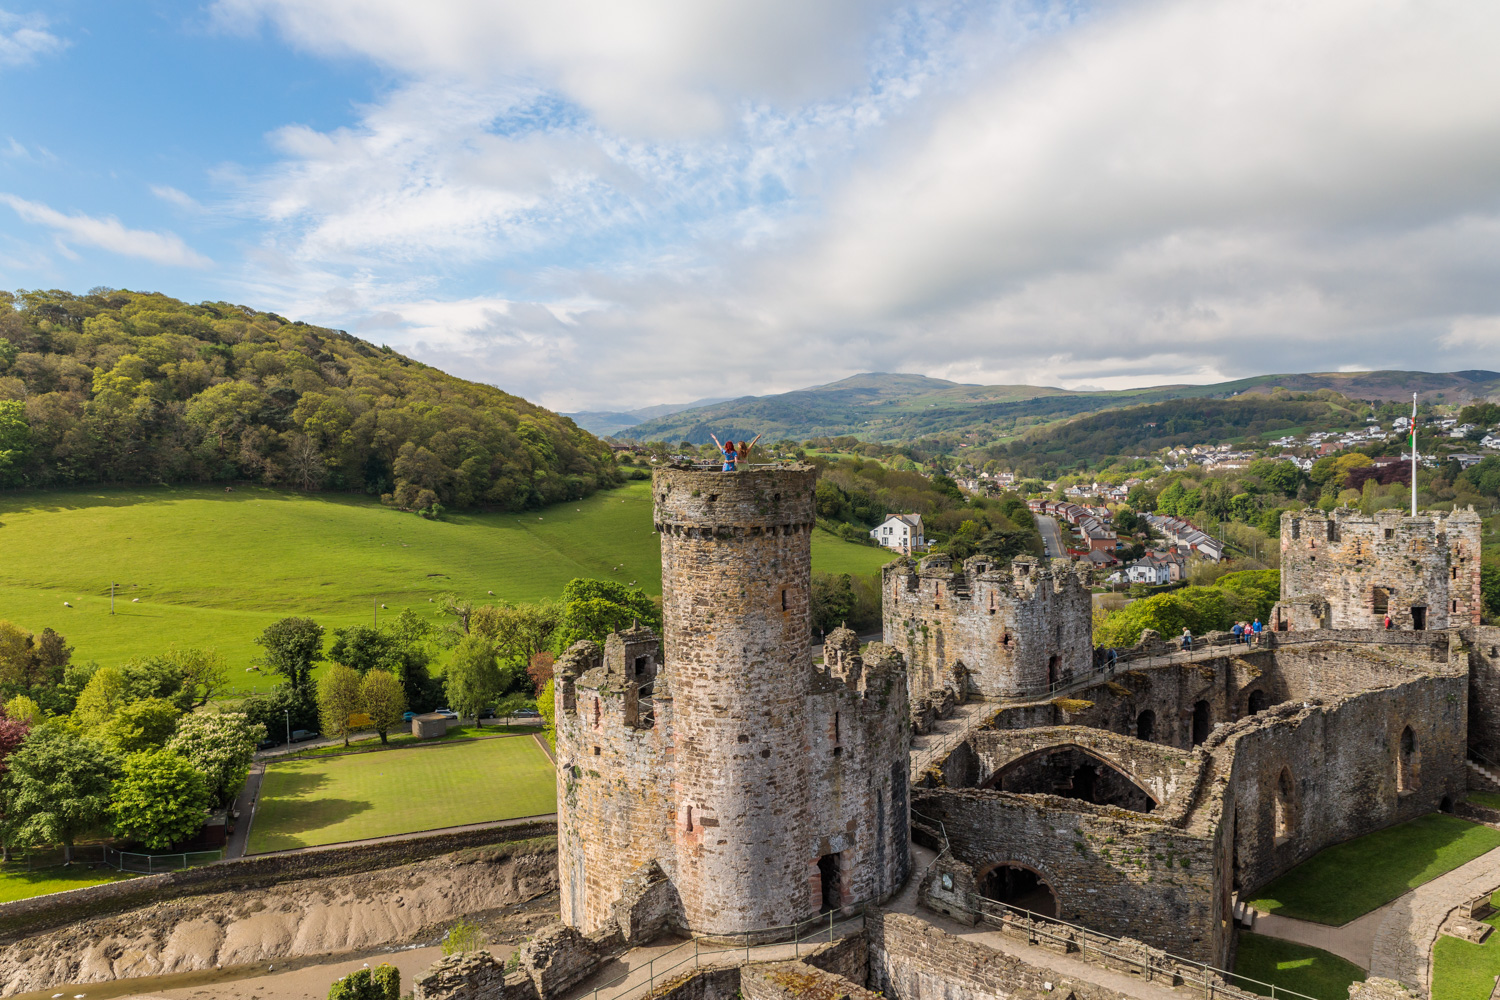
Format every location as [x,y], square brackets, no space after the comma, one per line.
[608,422]
[897,407]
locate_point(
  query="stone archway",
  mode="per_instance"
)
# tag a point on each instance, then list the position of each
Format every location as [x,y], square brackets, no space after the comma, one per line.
[1074,772]
[1017,885]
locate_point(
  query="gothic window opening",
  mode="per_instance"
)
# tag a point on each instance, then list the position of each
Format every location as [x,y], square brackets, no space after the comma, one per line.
[1202,720]
[1380,600]
[1145,725]
[1406,762]
[1285,824]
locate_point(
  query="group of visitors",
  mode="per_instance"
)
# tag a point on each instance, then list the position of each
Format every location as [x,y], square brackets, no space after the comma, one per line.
[733,453]
[1248,632]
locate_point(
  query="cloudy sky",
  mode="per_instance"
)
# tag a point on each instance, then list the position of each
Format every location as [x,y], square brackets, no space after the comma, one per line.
[612,203]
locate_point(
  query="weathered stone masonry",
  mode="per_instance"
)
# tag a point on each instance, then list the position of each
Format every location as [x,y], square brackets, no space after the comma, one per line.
[719,781]
[1348,570]
[986,629]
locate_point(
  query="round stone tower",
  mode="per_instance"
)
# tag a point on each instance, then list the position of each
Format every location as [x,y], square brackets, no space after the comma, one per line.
[736,573]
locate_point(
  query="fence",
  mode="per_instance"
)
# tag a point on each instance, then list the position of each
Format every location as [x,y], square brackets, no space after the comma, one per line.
[691,954]
[1072,936]
[125,861]
[150,864]
[1196,649]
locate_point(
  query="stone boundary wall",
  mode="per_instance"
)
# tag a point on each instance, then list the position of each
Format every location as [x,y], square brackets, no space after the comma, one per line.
[1483,645]
[22,917]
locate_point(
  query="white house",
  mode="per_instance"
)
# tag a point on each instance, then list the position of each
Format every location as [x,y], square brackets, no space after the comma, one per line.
[902,532]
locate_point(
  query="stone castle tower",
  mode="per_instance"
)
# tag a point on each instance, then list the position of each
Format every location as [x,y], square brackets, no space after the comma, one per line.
[1346,569]
[987,629]
[719,781]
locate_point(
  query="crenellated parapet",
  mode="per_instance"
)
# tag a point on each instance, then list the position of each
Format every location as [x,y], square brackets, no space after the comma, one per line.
[989,628]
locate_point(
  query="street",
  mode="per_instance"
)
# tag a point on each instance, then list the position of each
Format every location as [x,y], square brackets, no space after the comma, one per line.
[1051,536]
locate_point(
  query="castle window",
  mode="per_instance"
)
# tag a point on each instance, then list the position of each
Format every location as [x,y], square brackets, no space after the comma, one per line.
[1380,601]
[744,738]
[1455,605]
[1390,532]
[835,727]
[596,751]
[689,819]
[1296,528]
[785,606]
[597,711]
[1284,794]
[1455,572]
[1406,762]
[640,665]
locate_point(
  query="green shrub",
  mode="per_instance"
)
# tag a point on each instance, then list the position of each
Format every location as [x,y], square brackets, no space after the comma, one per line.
[463,936]
[381,983]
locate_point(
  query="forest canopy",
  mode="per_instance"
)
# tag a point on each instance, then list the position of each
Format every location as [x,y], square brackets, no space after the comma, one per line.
[128,387]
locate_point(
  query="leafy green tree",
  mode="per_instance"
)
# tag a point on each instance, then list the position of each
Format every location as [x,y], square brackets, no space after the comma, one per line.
[156,677]
[380,983]
[362,647]
[160,799]
[204,673]
[546,707]
[472,679]
[146,724]
[831,600]
[338,699]
[1489,589]
[282,710]
[382,699]
[293,646]
[59,786]
[592,609]
[104,695]
[220,747]
[23,709]
[15,441]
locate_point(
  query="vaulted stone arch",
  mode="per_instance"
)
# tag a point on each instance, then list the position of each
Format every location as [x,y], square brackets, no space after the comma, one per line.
[1073,771]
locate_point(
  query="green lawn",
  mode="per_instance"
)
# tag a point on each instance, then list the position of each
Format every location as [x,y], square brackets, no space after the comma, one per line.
[1487,799]
[1310,971]
[329,800]
[395,740]
[1355,877]
[1465,971]
[201,567]
[18,883]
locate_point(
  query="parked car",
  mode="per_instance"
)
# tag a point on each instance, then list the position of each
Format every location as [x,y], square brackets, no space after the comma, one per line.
[408,716]
[527,713]
[303,735]
[446,713]
[267,744]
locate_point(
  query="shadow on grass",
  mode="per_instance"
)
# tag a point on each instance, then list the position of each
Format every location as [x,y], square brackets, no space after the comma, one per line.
[1350,879]
[1290,966]
[284,830]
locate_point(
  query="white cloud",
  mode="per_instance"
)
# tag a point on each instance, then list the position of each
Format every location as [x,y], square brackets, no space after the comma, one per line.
[24,37]
[656,66]
[1165,190]
[172,196]
[107,234]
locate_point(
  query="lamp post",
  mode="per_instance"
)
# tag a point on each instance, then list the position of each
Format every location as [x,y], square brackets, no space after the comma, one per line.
[289,727]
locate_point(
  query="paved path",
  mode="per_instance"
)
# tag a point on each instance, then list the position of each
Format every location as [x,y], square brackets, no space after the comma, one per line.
[1051,536]
[1396,940]
[947,734]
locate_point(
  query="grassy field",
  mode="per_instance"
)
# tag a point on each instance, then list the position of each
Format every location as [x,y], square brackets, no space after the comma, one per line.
[1487,799]
[1287,965]
[18,883]
[201,567]
[1465,971]
[1353,878]
[329,800]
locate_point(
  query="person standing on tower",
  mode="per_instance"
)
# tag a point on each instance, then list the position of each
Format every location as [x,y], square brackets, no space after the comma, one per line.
[745,450]
[730,456]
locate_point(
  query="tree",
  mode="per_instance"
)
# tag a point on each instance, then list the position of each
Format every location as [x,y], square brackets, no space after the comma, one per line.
[23,709]
[146,724]
[592,609]
[103,696]
[156,677]
[281,710]
[204,672]
[383,700]
[472,680]
[831,600]
[1489,589]
[15,441]
[546,707]
[380,983]
[338,699]
[361,647]
[539,669]
[159,800]
[221,748]
[60,787]
[292,646]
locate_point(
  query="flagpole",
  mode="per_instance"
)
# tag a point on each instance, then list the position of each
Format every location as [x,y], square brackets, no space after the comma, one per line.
[1413,454]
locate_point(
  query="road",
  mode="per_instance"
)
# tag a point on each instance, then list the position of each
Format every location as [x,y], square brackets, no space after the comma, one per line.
[1051,536]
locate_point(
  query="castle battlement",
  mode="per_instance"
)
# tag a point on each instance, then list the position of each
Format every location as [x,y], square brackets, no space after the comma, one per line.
[988,629]
[1346,569]
[762,786]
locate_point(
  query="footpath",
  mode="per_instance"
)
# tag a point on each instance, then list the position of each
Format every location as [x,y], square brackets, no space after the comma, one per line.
[1396,940]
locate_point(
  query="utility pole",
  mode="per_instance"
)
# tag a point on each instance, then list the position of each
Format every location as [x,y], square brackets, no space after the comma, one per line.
[375,607]
[289,727]
[1413,454]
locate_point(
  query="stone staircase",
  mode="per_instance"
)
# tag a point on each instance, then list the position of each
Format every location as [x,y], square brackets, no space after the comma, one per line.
[1482,778]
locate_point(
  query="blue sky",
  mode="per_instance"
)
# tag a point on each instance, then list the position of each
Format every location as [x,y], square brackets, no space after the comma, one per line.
[604,204]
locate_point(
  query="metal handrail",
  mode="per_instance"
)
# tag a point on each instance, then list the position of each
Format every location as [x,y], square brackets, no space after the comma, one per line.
[699,952]
[1180,966]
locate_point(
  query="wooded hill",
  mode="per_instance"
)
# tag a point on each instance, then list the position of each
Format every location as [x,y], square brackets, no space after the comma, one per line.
[126,387]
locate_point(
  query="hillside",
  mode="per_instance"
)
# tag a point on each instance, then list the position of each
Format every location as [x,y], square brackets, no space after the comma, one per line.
[903,407]
[608,422]
[122,387]
[197,566]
